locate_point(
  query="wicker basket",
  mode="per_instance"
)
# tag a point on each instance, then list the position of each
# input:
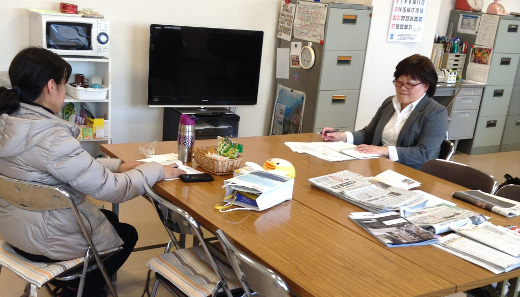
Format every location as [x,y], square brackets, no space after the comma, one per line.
[217,167]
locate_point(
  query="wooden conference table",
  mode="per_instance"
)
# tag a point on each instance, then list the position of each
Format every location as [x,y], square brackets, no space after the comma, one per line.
[310,241]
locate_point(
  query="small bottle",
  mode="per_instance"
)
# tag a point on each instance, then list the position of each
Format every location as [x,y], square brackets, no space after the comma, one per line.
[186,138]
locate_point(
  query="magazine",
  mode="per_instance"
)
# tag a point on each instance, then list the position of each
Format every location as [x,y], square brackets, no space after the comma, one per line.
[392,229]
[439,218]
[500,205]
[374,196]
[477,253]
[498,237]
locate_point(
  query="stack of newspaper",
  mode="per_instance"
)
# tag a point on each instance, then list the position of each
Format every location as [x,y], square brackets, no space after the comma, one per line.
[392,229]
[367,193]
[493,247]
[440,218]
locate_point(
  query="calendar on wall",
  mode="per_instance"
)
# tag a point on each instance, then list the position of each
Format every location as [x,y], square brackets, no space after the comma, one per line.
[407,21]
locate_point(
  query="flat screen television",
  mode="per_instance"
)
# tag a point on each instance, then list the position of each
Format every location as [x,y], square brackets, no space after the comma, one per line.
[195,66]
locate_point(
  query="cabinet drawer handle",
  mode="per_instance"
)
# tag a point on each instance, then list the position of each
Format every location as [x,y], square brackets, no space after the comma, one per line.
[345,60]
[512,28]
[336,98]
[517,122]
[467,100]
[505,61]
[498,93]
[491,124]
[464,115]
[349,19]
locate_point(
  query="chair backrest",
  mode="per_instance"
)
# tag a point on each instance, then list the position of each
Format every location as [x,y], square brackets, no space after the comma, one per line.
[177,220]
[253,276]
[22,194]
[461,174]
[509,191]
[447,150]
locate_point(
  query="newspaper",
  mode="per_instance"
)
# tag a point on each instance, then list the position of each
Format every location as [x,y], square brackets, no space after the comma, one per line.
[329,151]
[500,205]
[498,237]
[477,253]
[392,229]
[371,195]
[439,218]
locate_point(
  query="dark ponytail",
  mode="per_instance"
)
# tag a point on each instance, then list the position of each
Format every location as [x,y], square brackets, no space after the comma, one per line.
[29,72]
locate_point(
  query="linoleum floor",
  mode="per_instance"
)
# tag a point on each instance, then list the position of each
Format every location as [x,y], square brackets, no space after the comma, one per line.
[138,212]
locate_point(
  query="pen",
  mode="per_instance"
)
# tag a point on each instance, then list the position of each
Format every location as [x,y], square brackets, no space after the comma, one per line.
[330,131]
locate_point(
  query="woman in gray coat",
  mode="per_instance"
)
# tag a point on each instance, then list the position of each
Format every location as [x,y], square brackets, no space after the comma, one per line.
[38,146]
[409,127]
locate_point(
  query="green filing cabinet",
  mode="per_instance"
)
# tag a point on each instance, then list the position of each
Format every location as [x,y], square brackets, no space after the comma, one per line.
[496,99]
[511,137]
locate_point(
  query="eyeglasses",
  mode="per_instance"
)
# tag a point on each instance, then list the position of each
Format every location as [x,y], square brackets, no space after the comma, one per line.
[406,85]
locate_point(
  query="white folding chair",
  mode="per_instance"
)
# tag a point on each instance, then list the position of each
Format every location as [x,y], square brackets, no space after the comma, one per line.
[190,271]
[38,197]
[256,279]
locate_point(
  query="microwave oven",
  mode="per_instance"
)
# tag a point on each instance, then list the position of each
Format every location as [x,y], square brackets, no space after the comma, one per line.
[69,34]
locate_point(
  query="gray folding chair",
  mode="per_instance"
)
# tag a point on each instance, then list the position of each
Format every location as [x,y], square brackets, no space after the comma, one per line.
[194,271]
[509,191]
[256,279]
[447,150]
[39,197]
[461,174]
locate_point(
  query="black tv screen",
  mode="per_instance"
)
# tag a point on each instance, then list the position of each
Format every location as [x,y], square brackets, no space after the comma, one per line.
[195,66]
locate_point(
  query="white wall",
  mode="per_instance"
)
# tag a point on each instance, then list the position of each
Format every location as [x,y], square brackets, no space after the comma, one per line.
[133,121]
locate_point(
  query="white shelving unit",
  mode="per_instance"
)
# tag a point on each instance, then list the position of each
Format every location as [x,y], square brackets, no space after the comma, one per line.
[100,107]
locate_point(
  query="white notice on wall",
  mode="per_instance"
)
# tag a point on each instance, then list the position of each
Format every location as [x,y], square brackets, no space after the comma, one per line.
[487,30]
[407,21]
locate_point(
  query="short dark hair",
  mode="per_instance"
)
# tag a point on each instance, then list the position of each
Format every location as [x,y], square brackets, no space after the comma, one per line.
[30,70]
[420,68]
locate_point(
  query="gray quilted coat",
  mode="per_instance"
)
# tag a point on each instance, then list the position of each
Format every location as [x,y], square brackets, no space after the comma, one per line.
[37,146]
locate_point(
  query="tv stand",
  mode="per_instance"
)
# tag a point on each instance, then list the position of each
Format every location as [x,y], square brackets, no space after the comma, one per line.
[211,122]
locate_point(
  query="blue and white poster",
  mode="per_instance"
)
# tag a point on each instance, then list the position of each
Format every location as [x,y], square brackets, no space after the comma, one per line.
[288,111]
[407,21]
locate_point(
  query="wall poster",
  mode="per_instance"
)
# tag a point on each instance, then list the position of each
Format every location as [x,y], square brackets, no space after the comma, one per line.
[288,111]
[309,22]
[407,21]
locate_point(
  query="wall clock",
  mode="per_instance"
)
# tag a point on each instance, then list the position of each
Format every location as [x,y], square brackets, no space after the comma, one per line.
[307,57]
[469,5]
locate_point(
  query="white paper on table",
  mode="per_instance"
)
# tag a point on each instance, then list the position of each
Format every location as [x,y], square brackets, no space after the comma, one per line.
[168,159]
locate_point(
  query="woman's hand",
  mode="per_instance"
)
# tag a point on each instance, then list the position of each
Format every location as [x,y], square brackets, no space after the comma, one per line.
[372,149]
[326,135]
[129,165]
[172,171]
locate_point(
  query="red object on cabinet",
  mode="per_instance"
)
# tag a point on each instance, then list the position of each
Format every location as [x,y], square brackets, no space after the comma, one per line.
[462,5]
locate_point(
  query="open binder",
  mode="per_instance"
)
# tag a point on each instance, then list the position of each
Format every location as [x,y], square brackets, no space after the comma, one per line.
[257,190]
